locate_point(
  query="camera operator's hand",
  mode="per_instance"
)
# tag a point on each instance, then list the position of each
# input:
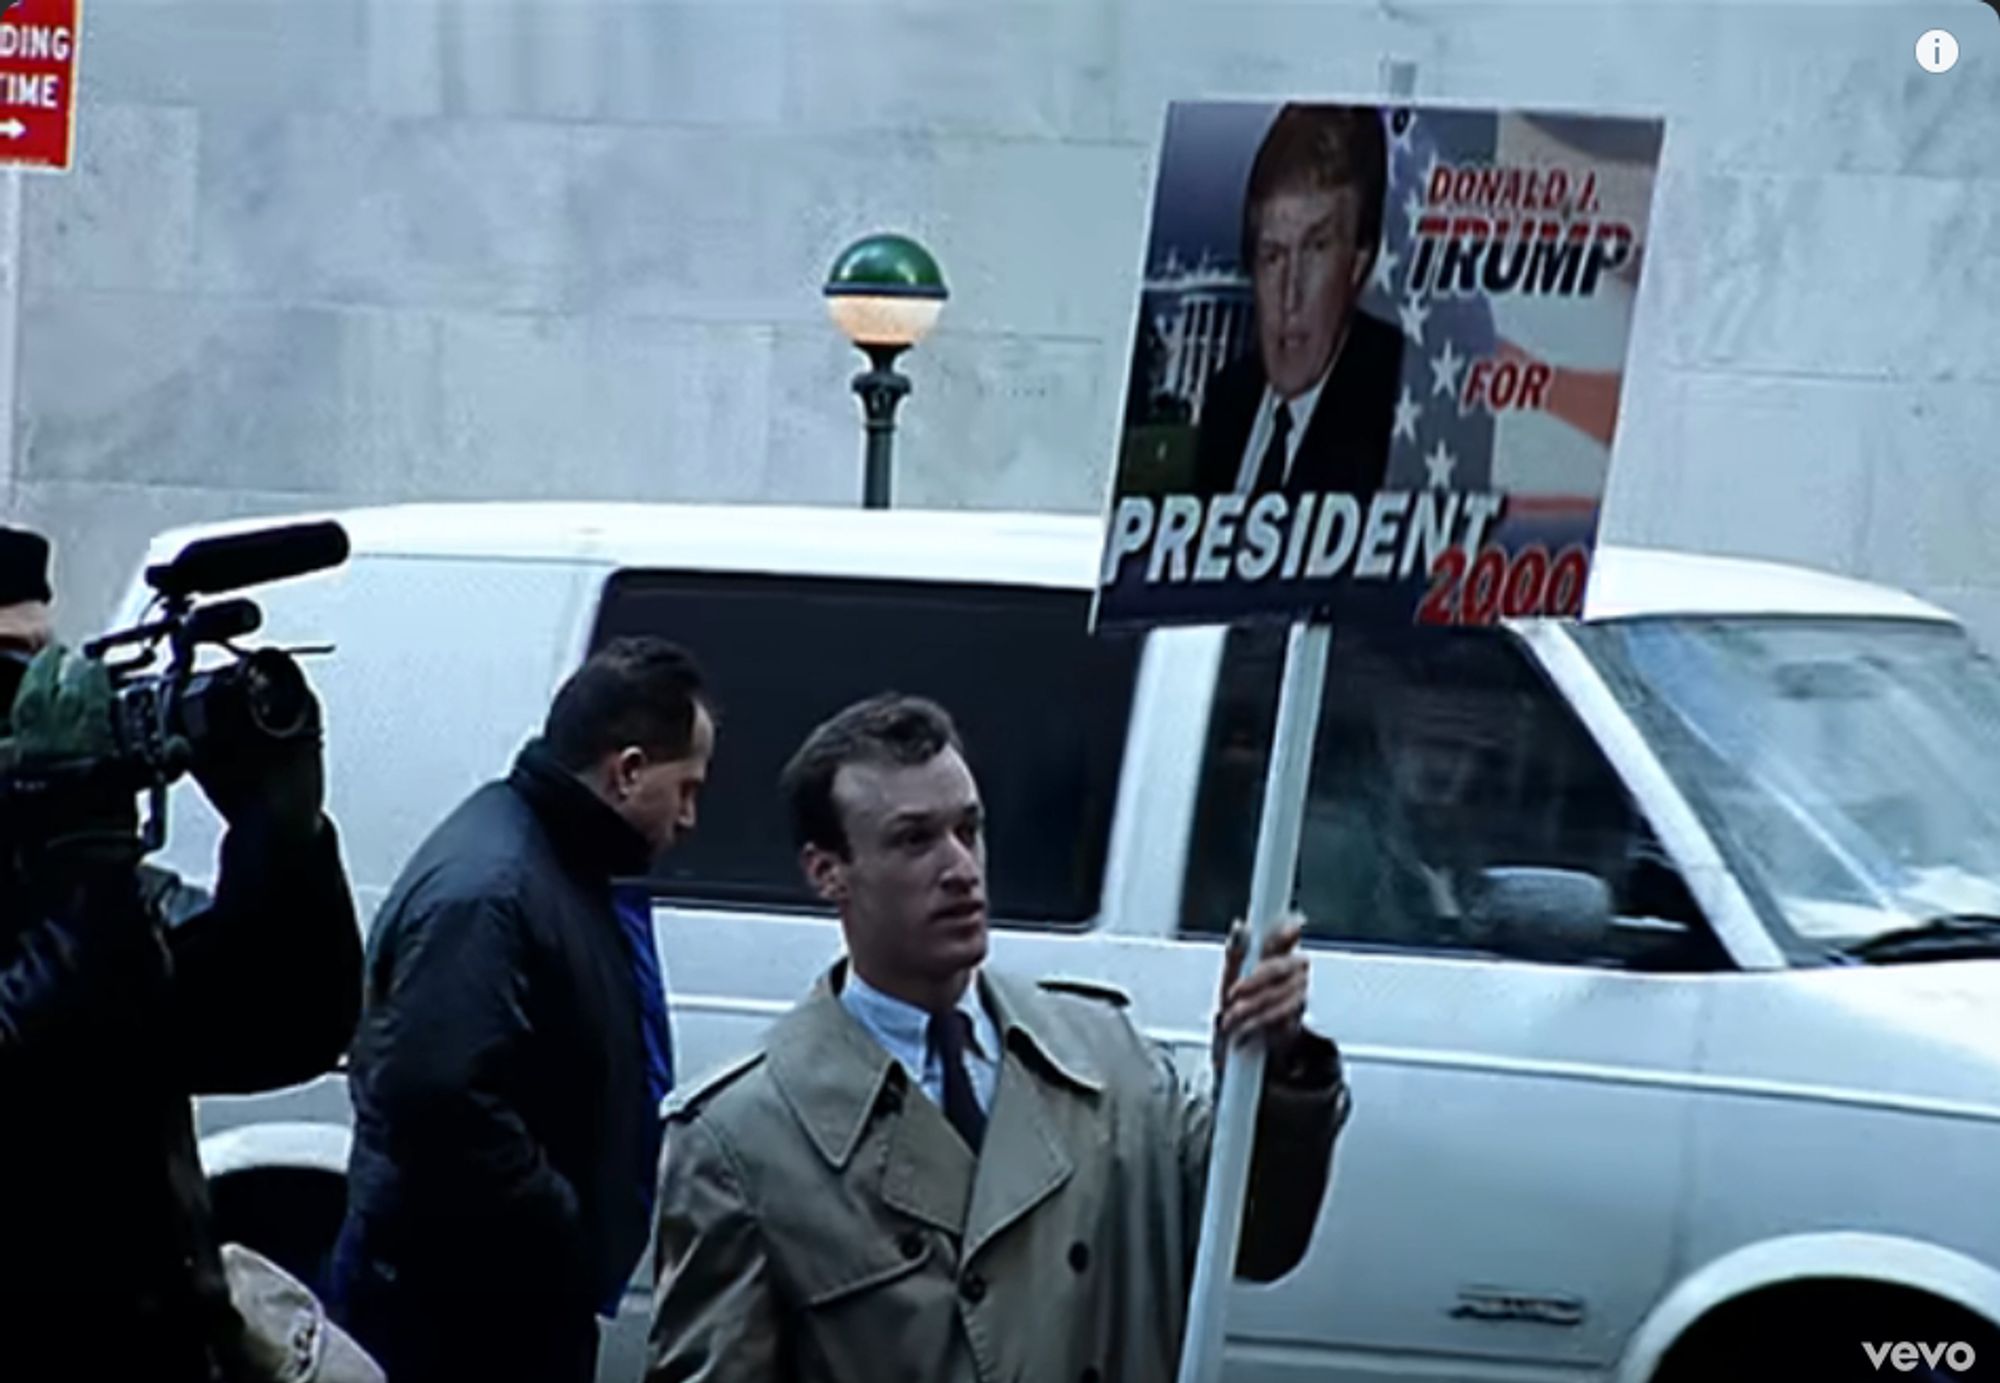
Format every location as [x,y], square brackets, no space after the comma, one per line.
[280,782]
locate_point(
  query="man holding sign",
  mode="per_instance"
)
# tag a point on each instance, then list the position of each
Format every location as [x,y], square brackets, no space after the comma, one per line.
[935,1170]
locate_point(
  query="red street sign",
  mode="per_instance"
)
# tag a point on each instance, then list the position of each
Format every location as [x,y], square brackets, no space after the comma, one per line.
[38,40]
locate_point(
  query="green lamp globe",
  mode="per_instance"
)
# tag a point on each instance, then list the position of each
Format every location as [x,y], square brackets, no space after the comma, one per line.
[885,291]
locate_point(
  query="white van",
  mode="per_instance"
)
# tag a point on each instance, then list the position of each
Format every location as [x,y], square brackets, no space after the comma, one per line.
[1617,922]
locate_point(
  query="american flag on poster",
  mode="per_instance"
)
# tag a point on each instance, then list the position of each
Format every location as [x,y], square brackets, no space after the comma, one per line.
[1377,364]
[1434,441]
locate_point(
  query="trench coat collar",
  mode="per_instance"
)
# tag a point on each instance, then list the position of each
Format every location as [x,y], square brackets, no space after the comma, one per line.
[1027,1158]
[1027,1018]
[829,1070]
[834,1075]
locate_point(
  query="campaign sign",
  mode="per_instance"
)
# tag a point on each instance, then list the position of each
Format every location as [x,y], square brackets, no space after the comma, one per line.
[1377,365]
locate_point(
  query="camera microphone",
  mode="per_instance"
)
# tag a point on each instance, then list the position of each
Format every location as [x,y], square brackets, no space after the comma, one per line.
[226,620]
[213,565]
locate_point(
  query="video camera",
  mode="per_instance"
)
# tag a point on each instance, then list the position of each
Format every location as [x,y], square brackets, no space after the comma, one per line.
[163,720]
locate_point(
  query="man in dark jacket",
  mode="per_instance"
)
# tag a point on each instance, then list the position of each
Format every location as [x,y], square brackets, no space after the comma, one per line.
[514,1049]
[122,993]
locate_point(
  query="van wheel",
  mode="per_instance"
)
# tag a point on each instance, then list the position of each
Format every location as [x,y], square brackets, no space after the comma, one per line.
[1818,1329]
[291,1215]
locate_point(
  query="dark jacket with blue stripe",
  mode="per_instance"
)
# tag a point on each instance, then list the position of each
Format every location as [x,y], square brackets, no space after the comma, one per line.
[500,1138]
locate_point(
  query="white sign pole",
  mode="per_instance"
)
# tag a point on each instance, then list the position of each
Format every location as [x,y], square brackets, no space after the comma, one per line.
[1276,866]
[1271,879]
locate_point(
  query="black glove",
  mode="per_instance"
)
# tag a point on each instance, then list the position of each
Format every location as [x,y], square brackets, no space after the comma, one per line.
[278,782]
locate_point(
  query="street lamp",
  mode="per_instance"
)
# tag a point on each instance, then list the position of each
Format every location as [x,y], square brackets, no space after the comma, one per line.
[884,293]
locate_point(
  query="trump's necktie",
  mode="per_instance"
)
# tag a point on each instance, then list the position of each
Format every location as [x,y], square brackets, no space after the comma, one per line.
[1271,470]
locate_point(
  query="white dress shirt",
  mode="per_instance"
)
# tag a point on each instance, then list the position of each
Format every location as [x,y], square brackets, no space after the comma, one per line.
[904,1032]
[1267,418]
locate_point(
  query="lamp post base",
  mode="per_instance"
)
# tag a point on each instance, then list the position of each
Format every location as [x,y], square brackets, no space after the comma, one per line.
[882,390]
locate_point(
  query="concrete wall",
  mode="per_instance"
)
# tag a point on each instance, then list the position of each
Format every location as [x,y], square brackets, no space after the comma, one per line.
[334,251]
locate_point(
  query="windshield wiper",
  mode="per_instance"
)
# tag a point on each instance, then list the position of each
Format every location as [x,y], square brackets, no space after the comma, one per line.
[1949,934]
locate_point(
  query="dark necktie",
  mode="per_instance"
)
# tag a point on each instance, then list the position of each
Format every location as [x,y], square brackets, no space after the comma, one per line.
[1271,470]
[948,1032]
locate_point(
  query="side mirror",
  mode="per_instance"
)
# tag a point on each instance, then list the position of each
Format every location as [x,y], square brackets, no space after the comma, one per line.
[1542,914]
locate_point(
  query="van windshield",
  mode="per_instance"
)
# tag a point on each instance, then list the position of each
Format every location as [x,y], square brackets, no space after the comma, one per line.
[1849,769]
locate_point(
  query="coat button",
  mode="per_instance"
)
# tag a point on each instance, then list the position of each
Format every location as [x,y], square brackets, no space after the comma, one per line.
[973,1288]
[912,1245]
[1079,1255]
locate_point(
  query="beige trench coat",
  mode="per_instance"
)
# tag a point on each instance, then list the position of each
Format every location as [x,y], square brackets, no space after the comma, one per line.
[821,1222]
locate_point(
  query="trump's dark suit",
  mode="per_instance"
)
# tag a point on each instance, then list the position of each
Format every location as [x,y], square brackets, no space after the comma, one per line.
[1346,444]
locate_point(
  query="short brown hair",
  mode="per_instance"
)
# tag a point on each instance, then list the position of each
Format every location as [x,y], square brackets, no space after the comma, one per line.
[890,728]
[1324,147]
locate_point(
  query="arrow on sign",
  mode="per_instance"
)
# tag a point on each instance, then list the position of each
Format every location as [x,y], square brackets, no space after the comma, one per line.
[13,129]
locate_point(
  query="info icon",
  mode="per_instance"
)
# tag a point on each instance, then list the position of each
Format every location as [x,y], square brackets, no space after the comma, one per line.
[1937,51]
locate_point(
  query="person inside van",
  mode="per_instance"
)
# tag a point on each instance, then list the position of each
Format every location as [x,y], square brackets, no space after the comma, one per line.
[934,1169]
[515,1047]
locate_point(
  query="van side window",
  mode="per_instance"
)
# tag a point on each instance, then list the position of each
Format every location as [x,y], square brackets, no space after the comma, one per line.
[1041,705]
[1439,756]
